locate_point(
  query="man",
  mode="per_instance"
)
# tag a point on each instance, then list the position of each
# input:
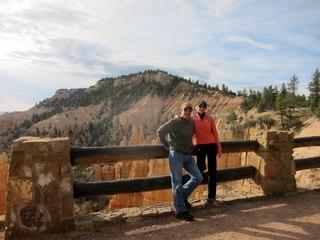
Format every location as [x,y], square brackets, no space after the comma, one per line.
[176,136]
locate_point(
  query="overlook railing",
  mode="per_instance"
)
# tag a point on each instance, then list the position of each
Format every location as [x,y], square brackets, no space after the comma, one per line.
[98,155]
[40,188]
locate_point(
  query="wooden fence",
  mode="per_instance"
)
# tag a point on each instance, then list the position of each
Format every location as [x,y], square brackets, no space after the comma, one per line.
[98,155]
[40,190]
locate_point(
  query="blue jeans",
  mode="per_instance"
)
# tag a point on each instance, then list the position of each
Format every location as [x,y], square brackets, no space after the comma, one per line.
[181,192]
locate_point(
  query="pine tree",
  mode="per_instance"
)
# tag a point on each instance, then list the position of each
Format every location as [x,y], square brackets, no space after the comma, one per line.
[281,105]
[292,91]
[314,88]
[269,97]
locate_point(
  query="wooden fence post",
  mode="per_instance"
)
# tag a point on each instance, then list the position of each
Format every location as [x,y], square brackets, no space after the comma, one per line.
[39,188]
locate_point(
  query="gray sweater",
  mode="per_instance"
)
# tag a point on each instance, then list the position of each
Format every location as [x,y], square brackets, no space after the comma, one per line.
[176,134]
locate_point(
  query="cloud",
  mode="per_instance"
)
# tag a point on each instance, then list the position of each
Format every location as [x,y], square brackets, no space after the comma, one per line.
[221,8]
[70,44]
[246,40]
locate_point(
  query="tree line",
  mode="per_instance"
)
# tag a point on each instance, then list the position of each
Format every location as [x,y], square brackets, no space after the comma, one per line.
[284,100]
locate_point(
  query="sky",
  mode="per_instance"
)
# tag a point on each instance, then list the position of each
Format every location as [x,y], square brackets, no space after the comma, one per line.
[46,45]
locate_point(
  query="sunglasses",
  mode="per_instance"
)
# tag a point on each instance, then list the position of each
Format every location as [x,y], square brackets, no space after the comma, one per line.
[201,106]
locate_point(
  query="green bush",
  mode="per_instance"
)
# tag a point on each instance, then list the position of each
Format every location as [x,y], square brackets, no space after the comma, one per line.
[232,117]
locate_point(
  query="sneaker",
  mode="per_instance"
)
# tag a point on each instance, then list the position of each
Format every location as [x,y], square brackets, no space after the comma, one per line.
[212,202]
[188,204]
[184,216]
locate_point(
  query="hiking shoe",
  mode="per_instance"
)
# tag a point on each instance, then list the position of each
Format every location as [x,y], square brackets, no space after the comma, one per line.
[187,204]
[212,202]
[184,216]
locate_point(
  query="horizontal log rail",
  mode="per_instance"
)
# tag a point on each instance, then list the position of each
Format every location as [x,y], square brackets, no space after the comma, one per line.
[98,155]
[86,189]
[306,141]
[307,163]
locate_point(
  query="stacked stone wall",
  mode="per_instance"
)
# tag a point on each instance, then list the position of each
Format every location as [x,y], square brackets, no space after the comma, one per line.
[40,188]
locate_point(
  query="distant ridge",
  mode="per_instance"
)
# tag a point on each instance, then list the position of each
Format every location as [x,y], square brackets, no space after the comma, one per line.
[126,110]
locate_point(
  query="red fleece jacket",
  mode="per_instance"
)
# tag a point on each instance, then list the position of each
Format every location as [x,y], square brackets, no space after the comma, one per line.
[205,131]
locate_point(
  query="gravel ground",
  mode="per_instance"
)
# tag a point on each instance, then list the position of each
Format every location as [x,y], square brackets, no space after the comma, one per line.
[293,216]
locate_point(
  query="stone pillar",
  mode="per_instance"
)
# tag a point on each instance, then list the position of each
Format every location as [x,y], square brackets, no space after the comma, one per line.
[39,188]
[275,162]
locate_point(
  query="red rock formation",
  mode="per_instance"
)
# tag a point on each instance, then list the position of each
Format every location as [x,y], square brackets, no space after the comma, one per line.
[145,117]
[3,181]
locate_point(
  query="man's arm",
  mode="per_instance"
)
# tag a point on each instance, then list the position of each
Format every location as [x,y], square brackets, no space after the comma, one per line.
[163,131]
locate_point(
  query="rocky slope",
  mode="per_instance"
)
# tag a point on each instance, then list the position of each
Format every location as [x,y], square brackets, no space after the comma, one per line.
[120,111]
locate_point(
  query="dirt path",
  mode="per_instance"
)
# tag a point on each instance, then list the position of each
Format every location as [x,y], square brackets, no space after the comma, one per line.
[295,216]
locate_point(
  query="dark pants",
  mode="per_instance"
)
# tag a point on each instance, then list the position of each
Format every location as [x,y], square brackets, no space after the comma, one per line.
[209,150]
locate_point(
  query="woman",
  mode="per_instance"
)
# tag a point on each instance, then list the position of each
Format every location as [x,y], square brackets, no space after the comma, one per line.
[206,143]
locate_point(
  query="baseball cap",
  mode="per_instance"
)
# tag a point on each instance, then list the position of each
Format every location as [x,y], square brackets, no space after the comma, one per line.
[202,103]
[186,105]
